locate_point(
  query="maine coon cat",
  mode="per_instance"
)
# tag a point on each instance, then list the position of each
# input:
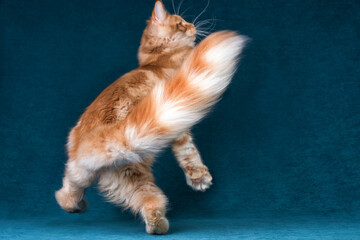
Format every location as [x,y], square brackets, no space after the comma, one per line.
[146,110]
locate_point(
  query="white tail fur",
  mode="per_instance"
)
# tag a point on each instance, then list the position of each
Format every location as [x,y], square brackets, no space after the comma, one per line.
[177,105]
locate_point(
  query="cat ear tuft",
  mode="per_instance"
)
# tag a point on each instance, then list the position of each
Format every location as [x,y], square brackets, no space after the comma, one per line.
[159,12]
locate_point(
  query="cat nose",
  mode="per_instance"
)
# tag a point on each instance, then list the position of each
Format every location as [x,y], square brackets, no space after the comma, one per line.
[192,28]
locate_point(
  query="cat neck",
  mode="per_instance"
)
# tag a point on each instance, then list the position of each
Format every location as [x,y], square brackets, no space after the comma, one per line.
[164,52]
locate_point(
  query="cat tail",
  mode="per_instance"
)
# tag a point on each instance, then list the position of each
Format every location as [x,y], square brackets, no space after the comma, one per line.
[175,106]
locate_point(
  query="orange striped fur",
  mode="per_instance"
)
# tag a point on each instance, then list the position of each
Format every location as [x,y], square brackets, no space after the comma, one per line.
[146,110]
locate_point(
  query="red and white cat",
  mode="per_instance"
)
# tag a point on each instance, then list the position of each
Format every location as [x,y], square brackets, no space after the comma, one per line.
[146,110]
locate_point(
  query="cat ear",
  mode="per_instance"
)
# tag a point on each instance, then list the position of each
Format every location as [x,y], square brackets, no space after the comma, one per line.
[159,13]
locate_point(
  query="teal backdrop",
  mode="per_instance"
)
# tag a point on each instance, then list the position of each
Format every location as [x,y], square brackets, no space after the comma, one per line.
[283,145]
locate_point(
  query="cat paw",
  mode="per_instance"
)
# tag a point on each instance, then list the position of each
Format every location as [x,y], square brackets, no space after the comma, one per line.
[157,224]
[70,203]
[80,208]
[198,177]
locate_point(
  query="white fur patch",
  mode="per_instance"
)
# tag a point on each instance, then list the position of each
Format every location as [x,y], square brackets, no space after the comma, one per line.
[120,155]
[78,174]
[226,52]
[172,112]
[222,59]
[143,143]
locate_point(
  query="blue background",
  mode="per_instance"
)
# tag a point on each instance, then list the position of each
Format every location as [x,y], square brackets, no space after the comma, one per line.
[283,145]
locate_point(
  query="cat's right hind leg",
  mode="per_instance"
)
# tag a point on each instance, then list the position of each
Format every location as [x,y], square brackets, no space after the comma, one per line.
[71,196]
[98,149]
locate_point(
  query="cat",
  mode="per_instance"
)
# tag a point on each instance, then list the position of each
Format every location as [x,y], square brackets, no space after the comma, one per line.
[146,110]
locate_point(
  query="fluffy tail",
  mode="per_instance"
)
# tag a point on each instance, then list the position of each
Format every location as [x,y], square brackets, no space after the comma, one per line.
[175,106]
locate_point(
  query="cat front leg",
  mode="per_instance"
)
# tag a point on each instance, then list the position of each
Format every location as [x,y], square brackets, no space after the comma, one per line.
[196,172]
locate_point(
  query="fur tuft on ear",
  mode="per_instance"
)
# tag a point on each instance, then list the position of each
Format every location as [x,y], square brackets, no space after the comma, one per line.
[159,13]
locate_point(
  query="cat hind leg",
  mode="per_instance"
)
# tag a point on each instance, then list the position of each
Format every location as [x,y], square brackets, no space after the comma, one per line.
[71,196]
[132,186]
[97,150]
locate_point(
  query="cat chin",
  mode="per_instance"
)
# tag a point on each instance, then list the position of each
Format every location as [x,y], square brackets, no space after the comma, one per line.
[184,40]
[181,39]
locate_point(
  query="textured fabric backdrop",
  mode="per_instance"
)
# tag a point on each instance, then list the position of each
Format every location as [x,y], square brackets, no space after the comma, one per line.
[283,145]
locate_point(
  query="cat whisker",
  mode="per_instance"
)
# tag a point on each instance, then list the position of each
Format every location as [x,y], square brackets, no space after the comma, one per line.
[204,22]
[179,7]
[202,33]
[203,26]
[208,20]
[205,31]
[181,14]
[173,5]
[210,28]
[202,12]
[200,37]
[212,21]
[200,25]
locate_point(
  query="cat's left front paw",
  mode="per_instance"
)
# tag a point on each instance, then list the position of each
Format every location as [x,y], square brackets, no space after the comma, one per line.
[198,177]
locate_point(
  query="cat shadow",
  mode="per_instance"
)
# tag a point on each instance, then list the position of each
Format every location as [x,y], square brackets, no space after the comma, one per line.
[124,226]
[104,226]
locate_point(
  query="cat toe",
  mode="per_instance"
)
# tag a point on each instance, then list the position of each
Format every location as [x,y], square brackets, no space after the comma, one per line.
[70,202]
[157,224]
[199,183]
[80,208]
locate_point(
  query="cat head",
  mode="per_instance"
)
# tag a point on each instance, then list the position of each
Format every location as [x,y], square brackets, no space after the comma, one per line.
[163,28]
[163,24]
